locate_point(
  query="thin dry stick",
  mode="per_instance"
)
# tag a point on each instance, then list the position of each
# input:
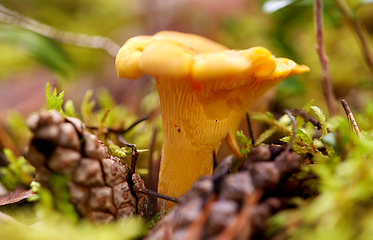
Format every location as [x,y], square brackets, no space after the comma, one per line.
[163,206]
[350,117]
[83,40]
[135,153]
[121,131]
[250,129]
[152,181]
[135,124]
[155,194]
[326,79]
[118,133]
[307,117]
[351,19]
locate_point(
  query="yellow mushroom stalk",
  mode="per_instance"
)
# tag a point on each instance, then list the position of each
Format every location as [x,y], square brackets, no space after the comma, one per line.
[205,90]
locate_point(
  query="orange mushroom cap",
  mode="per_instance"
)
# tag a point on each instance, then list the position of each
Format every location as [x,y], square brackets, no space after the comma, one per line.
[205,90]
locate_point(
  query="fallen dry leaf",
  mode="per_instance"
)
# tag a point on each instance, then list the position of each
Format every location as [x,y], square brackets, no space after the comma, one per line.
[15,197]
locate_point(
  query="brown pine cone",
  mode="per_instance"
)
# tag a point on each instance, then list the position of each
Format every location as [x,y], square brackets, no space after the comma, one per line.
[232,206]
[100,185]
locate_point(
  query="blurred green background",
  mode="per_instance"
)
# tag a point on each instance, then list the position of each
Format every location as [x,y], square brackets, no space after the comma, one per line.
[29,60]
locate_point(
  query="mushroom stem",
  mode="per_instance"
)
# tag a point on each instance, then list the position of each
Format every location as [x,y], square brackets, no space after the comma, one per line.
[184,156]
[193,130]
[181,165]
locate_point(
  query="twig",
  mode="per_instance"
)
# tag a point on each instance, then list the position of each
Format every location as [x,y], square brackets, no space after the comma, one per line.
[250,129]
[118,133]
[121,131]
[135,124]
[135,153]
[292,119]
[155,194]
[351,19]
[152,178]
[350,117]
[163,205]
[152,183]
[83,40]
[326,79]
[307,118]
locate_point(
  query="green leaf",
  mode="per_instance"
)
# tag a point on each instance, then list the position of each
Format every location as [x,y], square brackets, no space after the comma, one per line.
[280,125]
[330,140]
[17,172]
[270,116]
[324,132]
[307,107]
[265,135]
[103,119]
[320,114]
[266,117]
[45,50]
[69,108]
[87,106]
[272,6]
[54,101]
[304,137]
[329,150]
[302,143]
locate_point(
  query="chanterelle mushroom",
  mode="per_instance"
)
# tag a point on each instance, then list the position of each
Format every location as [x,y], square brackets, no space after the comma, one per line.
[204,89]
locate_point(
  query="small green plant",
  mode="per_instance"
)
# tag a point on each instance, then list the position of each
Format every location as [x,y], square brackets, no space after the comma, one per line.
[120,152]
[247,144]
[17,173]
[281,125]
[87,105]
[155,219]
[343,207]
[69,108]
[54,101]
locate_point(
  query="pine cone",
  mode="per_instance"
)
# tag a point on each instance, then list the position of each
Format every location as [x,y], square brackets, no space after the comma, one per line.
[100,185]
[233,206]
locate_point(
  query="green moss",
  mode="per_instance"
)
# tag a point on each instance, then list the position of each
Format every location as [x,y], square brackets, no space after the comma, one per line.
[17,173]
[54,101]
